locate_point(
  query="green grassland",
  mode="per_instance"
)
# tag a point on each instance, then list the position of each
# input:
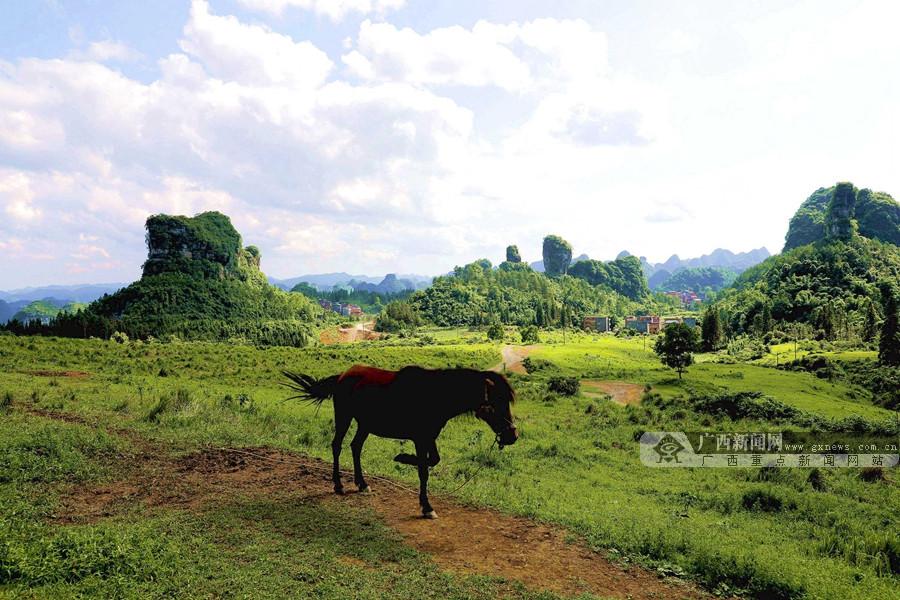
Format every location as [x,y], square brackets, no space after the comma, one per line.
[575,465]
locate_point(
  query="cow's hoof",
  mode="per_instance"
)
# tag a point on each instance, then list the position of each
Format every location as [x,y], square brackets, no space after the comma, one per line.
[339,491]
[365,490]
[429,515]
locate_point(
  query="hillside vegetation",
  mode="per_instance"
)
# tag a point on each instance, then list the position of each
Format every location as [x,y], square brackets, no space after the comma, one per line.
[841,246]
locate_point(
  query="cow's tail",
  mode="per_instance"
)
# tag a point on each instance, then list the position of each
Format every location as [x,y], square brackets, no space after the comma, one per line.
[315,391]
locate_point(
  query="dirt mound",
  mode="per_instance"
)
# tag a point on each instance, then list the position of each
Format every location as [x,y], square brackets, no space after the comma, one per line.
[464,540]
[620,392]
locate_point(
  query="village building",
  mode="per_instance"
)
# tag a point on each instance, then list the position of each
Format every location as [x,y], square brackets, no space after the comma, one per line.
[596,323]
[651,324]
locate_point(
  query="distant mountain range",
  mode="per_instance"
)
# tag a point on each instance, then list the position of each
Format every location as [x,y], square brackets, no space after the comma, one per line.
[657,273]
[71,293]
[14,302]
[327,281]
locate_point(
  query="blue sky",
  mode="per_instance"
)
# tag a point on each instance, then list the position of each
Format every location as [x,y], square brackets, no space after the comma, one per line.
[376,136]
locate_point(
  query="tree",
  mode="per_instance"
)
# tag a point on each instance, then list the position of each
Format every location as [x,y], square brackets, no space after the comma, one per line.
[676,345]
[711,329]
[889,344]
[870,321]
[512,254]
[557,255]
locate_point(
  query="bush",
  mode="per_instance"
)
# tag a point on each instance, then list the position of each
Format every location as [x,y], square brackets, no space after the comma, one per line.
[533,365]
[495,332]
[566,386]
[529,334]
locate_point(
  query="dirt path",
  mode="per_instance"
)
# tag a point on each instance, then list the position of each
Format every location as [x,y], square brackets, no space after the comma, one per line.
[462,540]
[512,359]
[621,392]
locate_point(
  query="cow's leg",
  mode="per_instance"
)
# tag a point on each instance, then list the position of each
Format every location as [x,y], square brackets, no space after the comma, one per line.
[422,454]
[341,425]
[356,446]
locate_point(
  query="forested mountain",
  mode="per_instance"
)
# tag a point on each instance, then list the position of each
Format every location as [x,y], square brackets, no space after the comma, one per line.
[45,310]
[829,285]
[698,279]
[877,215]
[198,283]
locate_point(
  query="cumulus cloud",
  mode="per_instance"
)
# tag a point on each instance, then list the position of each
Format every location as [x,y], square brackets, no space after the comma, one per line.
[335,10]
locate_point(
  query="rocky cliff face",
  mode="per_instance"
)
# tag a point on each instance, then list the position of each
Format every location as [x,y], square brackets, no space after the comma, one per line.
[206,245]
[840,213]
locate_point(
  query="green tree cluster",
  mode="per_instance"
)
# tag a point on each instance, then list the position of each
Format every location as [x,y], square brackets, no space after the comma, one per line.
[623,275]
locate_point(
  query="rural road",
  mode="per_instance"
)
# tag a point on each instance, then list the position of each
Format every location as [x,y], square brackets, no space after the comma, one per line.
[512,359]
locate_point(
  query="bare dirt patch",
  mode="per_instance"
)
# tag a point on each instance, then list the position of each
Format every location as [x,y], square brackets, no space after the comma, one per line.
[621,392]
[464,540]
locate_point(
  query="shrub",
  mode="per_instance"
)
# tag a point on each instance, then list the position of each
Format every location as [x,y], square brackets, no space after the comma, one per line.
[566,386]
[816,480]
[529,334]
[872,474]
[533,365]
[119,337]
[495,332]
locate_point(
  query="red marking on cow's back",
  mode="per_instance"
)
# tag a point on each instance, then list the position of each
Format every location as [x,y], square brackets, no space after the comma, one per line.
[368,376]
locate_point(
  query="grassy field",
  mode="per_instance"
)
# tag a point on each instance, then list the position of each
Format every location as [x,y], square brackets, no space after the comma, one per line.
[576,465]
[608,357]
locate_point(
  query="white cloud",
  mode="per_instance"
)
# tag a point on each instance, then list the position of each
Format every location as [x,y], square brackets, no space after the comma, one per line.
[450,55]
[251,54]
[335,10]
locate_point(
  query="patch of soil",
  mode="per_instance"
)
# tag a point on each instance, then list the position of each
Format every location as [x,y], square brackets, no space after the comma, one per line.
[44,373]
[512,359]
[464,540]
[621,392]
